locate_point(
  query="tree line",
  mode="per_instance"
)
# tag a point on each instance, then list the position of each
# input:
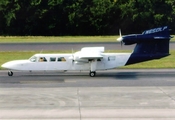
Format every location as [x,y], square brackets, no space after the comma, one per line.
[84,17]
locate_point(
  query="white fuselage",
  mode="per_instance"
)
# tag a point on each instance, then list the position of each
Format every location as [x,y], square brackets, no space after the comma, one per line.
[57,62]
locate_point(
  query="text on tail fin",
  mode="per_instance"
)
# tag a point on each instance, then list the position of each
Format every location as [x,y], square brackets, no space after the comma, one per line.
[156,30]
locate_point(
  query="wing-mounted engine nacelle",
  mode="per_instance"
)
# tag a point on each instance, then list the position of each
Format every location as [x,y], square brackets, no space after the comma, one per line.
[87,54]
[161,33]
[135,38]
[75,57]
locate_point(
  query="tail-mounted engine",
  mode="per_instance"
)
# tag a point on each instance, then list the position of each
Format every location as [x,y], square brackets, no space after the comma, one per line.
[161,33]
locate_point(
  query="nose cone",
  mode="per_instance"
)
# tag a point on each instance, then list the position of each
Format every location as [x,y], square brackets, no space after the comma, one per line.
[6,65]
[120,39]
[14,65]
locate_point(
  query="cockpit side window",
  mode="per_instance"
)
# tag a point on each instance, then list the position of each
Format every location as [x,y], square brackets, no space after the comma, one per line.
[33,59]
[42,59]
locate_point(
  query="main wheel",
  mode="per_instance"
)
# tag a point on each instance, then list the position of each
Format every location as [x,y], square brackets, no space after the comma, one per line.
[10,73]
[92,74]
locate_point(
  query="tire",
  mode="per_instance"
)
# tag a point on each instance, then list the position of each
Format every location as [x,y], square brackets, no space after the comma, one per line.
[92,74]
[10,73]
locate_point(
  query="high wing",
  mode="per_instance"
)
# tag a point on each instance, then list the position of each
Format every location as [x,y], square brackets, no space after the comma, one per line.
[87,54]
[91,53]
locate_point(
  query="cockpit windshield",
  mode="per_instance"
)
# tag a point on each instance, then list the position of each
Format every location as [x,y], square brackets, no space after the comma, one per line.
[33,59]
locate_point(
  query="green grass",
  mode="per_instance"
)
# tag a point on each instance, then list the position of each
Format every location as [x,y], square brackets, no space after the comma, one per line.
[31,39]
[167,62]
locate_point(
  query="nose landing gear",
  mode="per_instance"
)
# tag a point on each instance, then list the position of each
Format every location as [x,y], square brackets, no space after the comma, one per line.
[10,73]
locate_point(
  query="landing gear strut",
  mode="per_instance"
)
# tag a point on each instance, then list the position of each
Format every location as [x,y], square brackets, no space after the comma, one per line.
[10,73]
[92,73]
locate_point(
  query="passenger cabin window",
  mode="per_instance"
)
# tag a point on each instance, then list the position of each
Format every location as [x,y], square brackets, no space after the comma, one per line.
[42,59]
[52,59]
[61,59]
[33,59]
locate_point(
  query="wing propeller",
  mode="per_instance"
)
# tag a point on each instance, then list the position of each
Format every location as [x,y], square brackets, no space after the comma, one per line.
[72,57]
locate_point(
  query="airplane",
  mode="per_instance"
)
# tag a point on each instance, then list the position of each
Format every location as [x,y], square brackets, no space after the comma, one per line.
[151,44]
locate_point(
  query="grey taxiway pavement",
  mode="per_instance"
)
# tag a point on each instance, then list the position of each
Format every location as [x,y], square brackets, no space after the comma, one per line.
[61,46]
[121,94]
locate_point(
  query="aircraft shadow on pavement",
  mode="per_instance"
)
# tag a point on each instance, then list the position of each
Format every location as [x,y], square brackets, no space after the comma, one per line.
[78,75]
[120,75]
[84,75]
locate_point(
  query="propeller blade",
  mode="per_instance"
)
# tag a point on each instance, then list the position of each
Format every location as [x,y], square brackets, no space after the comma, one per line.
[120,39]
[120,33]
[73,56]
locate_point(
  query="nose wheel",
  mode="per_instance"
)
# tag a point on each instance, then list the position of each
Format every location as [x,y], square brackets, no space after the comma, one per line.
[92,73]
[10,73]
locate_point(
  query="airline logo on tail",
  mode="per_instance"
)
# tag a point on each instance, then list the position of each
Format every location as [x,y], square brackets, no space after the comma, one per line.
[155,30]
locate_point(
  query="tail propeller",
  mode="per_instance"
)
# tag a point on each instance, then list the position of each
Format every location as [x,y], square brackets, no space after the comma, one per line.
[120,39]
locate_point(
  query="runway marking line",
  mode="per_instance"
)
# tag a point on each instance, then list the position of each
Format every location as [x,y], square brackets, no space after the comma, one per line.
[40,82]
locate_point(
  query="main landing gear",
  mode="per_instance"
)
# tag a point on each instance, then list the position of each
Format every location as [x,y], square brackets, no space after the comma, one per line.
[92,73]
[93,66]
[10,73]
